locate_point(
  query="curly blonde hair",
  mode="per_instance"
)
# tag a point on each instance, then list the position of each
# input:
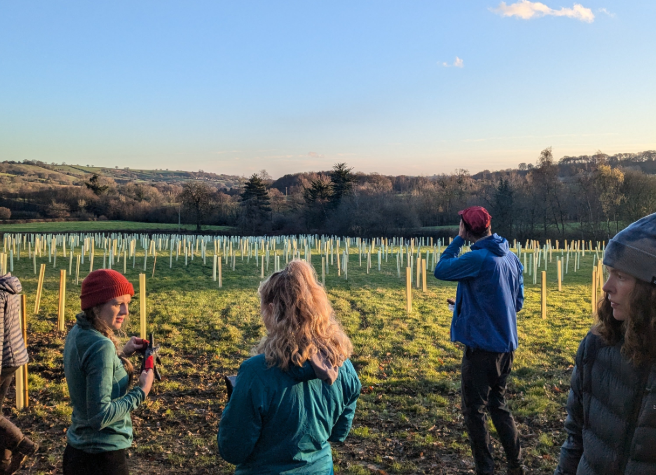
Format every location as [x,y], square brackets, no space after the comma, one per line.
[300,320]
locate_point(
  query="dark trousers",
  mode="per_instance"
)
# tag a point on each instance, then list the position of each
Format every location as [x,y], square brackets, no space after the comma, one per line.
[484,376]
[79,462]
[10,435]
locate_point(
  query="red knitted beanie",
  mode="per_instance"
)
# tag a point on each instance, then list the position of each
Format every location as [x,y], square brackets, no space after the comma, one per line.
[103,285]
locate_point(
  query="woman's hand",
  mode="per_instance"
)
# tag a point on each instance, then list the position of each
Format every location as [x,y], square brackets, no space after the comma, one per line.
[134,343]
[147,376]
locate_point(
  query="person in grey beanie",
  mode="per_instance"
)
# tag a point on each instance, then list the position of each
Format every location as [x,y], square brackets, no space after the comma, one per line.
[14,446]
[611,408]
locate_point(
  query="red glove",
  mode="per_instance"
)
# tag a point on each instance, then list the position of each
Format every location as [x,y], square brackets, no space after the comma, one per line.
[150,364]
[144,344]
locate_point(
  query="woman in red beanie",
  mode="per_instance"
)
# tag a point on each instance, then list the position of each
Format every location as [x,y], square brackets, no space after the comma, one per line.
[98,375]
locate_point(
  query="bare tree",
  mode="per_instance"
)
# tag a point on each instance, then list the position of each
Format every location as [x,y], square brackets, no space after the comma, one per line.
[196,197]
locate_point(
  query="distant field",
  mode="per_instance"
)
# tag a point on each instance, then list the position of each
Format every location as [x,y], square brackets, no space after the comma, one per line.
[83,226]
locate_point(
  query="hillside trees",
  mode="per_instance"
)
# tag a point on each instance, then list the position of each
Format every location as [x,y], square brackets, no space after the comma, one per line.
[196,197]
[317,202]
[608,182]
[547,190]
[255,204]
[342,181]
[95,184]
[639,191]
[503,207]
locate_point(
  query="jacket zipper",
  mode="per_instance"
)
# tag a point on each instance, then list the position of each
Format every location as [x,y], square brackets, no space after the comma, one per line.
[644,379]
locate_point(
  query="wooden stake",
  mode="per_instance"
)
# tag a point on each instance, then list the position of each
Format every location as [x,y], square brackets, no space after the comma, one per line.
[26,399]
[21,373]
[560,274]
[423,272]
[142,305]
[544,294]
[594,291]
[154,264]
[39,288]
[408,288]
[62,300]
[220,272]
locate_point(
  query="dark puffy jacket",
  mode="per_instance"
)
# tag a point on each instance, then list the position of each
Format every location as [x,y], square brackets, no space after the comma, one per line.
[11,337]
[611,414]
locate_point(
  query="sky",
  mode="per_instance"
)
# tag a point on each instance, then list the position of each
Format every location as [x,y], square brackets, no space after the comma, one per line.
[407,87]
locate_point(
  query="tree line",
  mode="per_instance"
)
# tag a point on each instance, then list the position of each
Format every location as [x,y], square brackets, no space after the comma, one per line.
[590,197]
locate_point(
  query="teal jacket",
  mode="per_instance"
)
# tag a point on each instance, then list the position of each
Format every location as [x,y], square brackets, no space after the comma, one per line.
[97,383]
[279,422]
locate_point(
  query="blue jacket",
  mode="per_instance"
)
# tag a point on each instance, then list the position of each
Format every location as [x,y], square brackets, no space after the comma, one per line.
[279,422]
[490,293]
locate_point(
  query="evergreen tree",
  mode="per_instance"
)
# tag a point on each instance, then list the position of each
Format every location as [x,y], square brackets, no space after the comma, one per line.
[94,185]
[503,207]
[256,204]
[342,181]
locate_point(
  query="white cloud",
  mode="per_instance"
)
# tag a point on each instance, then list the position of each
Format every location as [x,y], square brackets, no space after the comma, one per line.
[527,10]
[458,63]
[315,155]
[605,11]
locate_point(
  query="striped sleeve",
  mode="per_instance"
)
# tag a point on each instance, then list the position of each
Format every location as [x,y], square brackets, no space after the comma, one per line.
[14,352]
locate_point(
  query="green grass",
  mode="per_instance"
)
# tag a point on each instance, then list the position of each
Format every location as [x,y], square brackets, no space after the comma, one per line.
[408,418]
[92,226]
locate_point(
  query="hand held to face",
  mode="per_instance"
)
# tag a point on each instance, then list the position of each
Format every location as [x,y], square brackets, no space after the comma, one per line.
[462,231]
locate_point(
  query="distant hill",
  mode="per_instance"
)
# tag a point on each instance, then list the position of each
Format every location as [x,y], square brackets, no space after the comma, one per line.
[36,172]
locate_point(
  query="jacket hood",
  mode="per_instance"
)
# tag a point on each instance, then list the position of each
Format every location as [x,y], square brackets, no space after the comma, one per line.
[317,367]
[495,244]
[82,321]
[11,284]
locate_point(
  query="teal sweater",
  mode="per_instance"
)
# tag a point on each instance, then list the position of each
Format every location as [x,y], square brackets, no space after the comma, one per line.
[279,422]
[97,383]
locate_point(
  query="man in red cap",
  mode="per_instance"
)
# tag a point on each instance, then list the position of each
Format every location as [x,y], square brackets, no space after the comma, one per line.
[490,293]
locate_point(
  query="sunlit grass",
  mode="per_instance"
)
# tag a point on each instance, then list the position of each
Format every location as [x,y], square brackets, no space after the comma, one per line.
[408,416]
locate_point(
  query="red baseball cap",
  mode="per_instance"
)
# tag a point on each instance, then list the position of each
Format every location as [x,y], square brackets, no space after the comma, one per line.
[477,218]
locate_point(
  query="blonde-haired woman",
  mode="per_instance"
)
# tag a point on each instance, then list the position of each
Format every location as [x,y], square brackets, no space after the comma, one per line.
[299,392]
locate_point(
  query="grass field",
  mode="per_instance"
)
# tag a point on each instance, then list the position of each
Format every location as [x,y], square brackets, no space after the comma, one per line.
[408,418]
[99,226]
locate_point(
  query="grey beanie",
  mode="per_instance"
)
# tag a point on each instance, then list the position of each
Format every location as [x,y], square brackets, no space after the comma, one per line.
[633,250]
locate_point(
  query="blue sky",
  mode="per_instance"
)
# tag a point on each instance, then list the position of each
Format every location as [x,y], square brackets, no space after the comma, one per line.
[395,87]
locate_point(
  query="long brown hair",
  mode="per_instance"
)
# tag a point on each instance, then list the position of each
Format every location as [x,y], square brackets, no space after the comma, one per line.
[104,329]
[638,332]
[300,320]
